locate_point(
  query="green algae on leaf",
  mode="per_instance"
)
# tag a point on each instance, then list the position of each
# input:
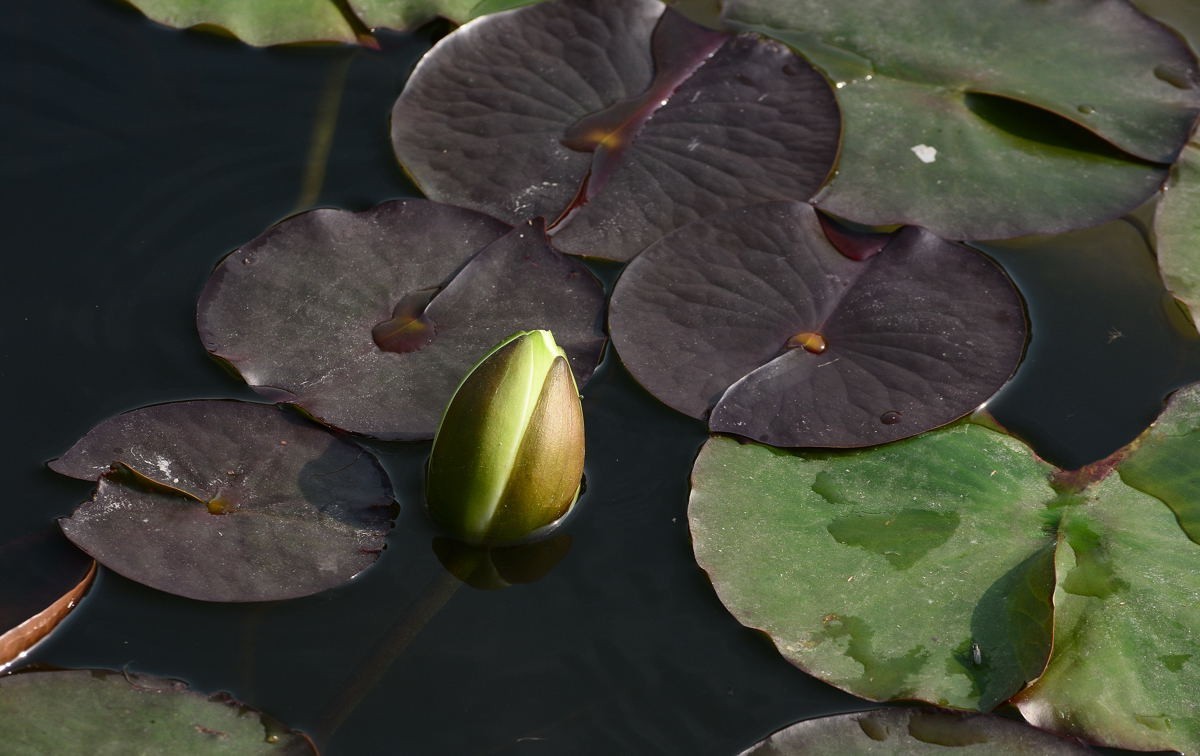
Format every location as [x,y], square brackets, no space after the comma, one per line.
[1126,618]
[368,321]
[227,501]
[762,316]
[615,120]
[910,731]
[961,618]
[82,712]
[997,120]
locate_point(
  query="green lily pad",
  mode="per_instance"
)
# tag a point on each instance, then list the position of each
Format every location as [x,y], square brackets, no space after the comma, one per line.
[227,501]
[917,570]
[409,14]
[1177,226]
[277,22]
[1008,118]
[260,22]
[1125,668]
[1165,461]
[1181,15]
[912,732]
[839,558]
[80,712]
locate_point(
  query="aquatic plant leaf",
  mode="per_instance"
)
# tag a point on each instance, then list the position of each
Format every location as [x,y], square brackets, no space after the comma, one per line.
[260,23]
[1165,460]
[613,120]
[994,121]
[409,14]
[277,22]
[1177,226]
[917,570]
[78,712]
[1124,670]
[227,501]
[910,731]
[755,314]
[45,577]
[1180,15]
[368,321]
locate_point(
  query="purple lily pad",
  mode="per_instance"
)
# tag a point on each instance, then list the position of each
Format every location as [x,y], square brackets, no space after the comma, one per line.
[227,501]
[756,316]
[615,120]
[368,321]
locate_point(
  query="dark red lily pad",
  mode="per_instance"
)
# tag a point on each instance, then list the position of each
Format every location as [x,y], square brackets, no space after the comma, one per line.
[227,501]
[368,321]
[758,317]
[614,120]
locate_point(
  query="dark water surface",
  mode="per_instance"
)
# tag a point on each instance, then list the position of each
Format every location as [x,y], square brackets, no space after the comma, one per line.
[135,157]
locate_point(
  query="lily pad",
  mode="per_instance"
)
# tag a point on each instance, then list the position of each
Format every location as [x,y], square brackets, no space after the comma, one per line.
[276,22]
[1124,670]
[1181,15]
[1177,226]
[756,315]
[261,22]
[81,712]
[45,577]
[1009,118]
[614,120]
[369,321]
[1165,461]
[227,501]
[409,14]
[917,570]
[836,556]
[912,732]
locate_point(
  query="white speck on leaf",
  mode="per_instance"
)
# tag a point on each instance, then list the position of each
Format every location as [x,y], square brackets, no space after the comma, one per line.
[924,152]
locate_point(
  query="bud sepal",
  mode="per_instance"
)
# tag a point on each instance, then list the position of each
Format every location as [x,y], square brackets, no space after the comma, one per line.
[507,459]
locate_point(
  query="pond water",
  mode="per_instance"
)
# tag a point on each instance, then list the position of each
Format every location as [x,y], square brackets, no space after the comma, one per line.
[135,157]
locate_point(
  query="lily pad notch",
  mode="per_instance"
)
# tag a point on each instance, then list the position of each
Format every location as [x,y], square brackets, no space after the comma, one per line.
[779,325]
[221,500]
[368,321]
[615,120]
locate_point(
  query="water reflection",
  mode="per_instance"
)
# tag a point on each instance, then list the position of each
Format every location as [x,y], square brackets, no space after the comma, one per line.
[500,567]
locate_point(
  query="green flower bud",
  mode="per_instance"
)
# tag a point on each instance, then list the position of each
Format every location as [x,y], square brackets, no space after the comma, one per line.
[508,456]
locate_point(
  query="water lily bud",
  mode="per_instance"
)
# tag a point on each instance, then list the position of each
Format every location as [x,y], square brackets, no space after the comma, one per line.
[508,456]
